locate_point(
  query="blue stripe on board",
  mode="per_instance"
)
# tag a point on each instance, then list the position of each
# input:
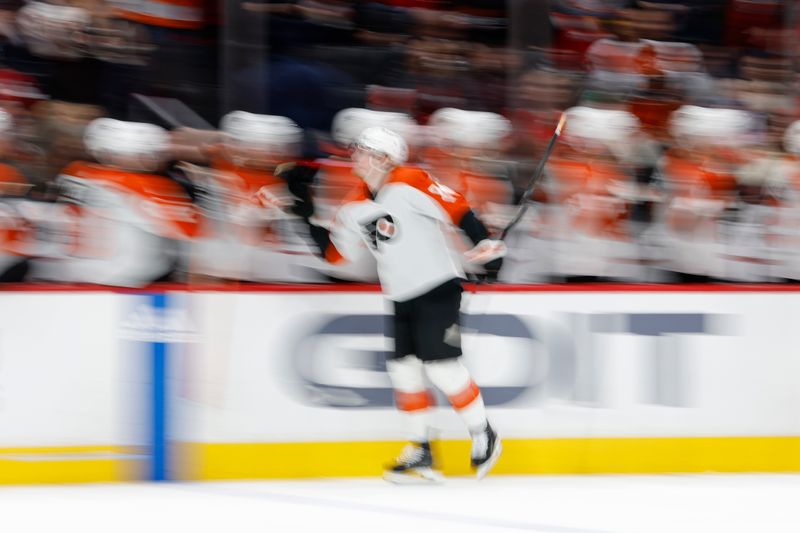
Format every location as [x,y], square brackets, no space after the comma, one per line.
[159,394]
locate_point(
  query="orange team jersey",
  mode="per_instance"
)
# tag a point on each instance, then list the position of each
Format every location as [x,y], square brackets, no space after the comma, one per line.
[15,232]
[404,225]
[158,198]
[586,188]
[250,180]
[479,188]
[242,184]
[10,180]
[690,179]
[336,179]
[693,178]
[483,189]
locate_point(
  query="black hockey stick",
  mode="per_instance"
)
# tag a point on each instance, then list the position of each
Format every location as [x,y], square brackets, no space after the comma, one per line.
[535,178]
[478,281]
[529,190]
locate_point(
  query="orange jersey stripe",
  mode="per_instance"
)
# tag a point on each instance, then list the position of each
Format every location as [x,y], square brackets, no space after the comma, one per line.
[413,401]
[451,201]
[358,193]
[10,176]
[160,197]
[333,256]
[462,399]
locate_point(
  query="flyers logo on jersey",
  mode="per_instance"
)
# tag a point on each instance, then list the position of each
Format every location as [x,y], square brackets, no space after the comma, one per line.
[385,228]
[381,229]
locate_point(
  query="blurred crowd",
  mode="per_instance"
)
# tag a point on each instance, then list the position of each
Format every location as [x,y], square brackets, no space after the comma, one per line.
[138,136]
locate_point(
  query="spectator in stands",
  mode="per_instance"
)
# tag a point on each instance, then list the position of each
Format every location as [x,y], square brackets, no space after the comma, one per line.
[184,62]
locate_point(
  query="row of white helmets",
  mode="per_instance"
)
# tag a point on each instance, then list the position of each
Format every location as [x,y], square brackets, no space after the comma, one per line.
[111,141]
[690,124]
[483,130]
[447,127]
[107,137]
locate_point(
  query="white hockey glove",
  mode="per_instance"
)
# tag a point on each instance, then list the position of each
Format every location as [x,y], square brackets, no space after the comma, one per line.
[272,204]
[485,252]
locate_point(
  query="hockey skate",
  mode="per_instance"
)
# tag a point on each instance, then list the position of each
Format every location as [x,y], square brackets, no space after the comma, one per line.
[415,465]
[486,449]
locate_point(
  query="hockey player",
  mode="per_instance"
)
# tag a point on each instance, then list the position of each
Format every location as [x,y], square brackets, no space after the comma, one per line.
[130,225]
[403,216]
[780,192]
[240,240]
[16,233]
[335,179]
[698,176]
[465,155]
[589,182]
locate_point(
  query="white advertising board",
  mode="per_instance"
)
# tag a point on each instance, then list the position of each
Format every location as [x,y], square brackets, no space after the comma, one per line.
[61,379]
[300,366]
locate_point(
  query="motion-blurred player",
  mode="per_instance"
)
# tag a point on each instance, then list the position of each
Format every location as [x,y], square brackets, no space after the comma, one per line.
[403,217]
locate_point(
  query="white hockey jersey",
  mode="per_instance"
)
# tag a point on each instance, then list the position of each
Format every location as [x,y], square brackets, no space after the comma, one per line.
[407,225]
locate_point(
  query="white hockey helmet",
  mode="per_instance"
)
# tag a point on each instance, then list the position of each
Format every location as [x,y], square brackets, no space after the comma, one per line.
[130,145]
[612,131]
[710,126]
[349,123]
[687,121]
[383,141]
[469,129]
[268,133]
[791,138]
[601,125]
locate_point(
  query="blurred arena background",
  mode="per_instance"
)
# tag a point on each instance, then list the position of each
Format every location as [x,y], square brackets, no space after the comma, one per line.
[678,162]
[158,323]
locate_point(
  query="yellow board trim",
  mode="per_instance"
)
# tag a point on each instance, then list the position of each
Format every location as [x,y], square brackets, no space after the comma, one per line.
[206,461]
[68,464]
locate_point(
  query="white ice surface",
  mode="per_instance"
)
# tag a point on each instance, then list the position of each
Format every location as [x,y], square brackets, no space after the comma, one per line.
[545,504]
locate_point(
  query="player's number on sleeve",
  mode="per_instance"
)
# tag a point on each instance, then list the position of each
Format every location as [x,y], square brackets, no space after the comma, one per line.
[442,191]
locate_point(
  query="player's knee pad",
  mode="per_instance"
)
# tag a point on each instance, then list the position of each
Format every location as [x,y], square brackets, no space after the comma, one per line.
[406,374]
[449,375]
